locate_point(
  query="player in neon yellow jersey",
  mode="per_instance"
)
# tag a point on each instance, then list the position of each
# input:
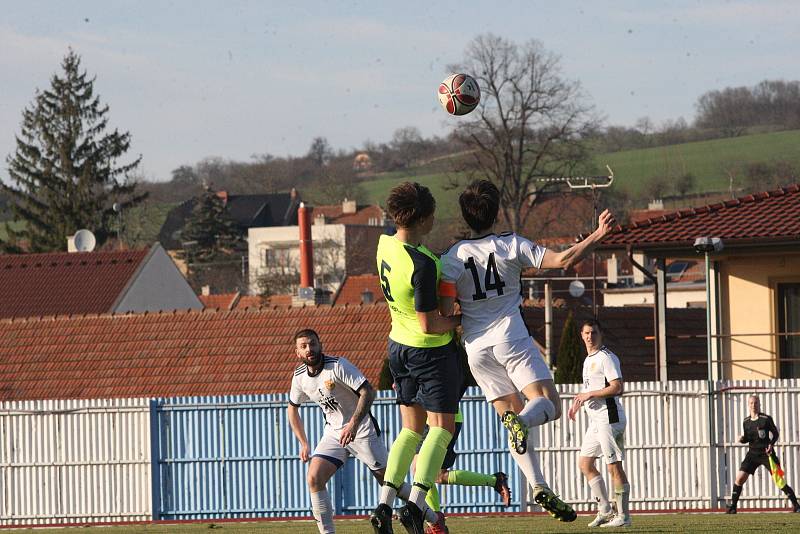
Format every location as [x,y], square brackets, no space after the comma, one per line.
[422,355]
[459,477]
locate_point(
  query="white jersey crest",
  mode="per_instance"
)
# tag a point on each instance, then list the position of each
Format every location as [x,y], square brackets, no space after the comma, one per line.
[333,389]
[599,370]
[486,271]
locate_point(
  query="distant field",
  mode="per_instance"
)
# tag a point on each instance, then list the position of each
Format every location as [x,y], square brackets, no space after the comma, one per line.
[708,161]
[702,523]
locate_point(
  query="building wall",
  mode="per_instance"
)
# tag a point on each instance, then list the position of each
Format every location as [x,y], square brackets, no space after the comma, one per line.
[159,285]
[749,285]
[287,238]
[676,297]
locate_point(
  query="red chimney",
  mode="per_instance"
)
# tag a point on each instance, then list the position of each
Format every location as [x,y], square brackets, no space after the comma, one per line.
[306,249]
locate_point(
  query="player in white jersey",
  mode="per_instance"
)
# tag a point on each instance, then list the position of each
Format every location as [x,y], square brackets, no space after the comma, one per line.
[605,437]
[483,273]
[345,396]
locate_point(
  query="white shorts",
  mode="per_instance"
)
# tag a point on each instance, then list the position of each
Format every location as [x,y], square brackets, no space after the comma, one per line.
[507,368]
[606,440]
[369,449]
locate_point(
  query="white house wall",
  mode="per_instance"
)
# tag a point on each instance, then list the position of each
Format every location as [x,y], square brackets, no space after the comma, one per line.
[288,237]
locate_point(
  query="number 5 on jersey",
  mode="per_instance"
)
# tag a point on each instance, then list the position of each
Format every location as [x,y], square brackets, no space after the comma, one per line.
[491,280]
[387,291]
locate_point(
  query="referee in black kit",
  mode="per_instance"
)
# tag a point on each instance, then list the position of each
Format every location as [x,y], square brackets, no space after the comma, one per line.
[761,434]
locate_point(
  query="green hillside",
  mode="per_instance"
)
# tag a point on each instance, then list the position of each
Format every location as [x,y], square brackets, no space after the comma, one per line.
[708,161]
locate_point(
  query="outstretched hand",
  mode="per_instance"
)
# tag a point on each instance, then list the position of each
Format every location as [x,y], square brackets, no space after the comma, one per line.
[605,223]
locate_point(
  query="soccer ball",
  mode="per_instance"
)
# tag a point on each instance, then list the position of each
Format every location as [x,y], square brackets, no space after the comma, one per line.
[459,94]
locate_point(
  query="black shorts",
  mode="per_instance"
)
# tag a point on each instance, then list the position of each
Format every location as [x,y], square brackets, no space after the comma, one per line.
[451,454]
[430,377]
[753,460]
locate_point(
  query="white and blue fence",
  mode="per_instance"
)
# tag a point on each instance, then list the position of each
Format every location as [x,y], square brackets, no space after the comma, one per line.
[117,460]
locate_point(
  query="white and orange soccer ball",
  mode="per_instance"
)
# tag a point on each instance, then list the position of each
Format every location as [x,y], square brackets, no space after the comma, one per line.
[459,94]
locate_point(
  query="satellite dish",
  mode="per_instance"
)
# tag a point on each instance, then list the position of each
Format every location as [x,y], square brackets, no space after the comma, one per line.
[576,288]
[84,241]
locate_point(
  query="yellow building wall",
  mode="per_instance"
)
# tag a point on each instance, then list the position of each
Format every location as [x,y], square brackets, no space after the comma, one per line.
[749,306]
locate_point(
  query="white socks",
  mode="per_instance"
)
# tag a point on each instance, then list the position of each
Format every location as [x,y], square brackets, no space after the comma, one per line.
[598,487]
[623,495]
[323,511]
[537,412]
[529,462]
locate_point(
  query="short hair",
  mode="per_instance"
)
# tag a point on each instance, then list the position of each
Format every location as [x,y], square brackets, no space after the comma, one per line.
[306,332]
[594,323]
[409,203]
[479,203]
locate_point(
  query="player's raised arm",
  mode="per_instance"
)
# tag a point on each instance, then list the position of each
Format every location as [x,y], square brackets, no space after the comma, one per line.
[296,423]
[578,251]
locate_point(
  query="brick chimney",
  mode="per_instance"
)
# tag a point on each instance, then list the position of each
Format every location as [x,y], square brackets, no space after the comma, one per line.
[306,248]
[349,206]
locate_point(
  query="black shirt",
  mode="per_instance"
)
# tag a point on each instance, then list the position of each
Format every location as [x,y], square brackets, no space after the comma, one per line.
[760,433]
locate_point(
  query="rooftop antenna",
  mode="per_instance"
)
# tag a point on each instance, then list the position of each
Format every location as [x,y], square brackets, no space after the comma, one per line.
[84,240]
[594,183]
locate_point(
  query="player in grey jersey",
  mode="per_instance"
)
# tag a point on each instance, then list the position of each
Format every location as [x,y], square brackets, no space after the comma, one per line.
[345,396]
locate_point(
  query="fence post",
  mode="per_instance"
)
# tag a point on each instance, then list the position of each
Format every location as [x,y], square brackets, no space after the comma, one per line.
[155,461]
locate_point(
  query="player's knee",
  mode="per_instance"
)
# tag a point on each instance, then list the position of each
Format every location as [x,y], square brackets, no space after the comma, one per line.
[315,481]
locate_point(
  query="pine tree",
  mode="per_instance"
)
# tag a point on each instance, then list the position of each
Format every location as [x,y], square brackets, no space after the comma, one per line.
[64,171]
[569,363]
[212,242]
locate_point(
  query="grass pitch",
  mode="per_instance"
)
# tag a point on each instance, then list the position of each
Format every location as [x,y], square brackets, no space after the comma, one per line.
[666,523]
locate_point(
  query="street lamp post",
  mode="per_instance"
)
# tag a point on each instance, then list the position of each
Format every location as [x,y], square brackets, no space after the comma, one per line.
[707,246]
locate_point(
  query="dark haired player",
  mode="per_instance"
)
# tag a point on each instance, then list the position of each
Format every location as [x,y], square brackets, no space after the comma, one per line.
[345,396]
[605,436]
[422,355]
[483,273]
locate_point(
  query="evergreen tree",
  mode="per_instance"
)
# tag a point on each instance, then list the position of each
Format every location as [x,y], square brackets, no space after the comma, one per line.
[64,172]
[569,368]
[212,245]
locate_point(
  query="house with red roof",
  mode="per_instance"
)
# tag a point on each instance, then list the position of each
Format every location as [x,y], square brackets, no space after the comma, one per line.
[76,283]
[344,239]
[753,281]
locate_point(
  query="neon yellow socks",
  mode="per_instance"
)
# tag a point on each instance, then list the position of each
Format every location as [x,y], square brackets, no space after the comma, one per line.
[470,478]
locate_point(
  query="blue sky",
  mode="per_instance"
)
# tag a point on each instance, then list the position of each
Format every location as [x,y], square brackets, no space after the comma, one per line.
[196,79]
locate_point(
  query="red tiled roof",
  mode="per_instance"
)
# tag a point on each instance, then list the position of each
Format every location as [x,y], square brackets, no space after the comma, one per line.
[179,353]
[768,216]
[354,286]
[64,283]
[224,301]
[333,214]
[250,351]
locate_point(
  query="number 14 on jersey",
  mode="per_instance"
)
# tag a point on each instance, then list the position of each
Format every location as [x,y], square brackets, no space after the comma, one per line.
[491,279]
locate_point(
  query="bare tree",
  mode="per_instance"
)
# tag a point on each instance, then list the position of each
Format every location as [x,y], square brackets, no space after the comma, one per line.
[530,123]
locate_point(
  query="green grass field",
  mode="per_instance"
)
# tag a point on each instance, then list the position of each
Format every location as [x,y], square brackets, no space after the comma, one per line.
[708,161]
[702,523]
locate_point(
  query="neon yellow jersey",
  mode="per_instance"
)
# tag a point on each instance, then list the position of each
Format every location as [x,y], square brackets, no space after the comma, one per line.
[410,281]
